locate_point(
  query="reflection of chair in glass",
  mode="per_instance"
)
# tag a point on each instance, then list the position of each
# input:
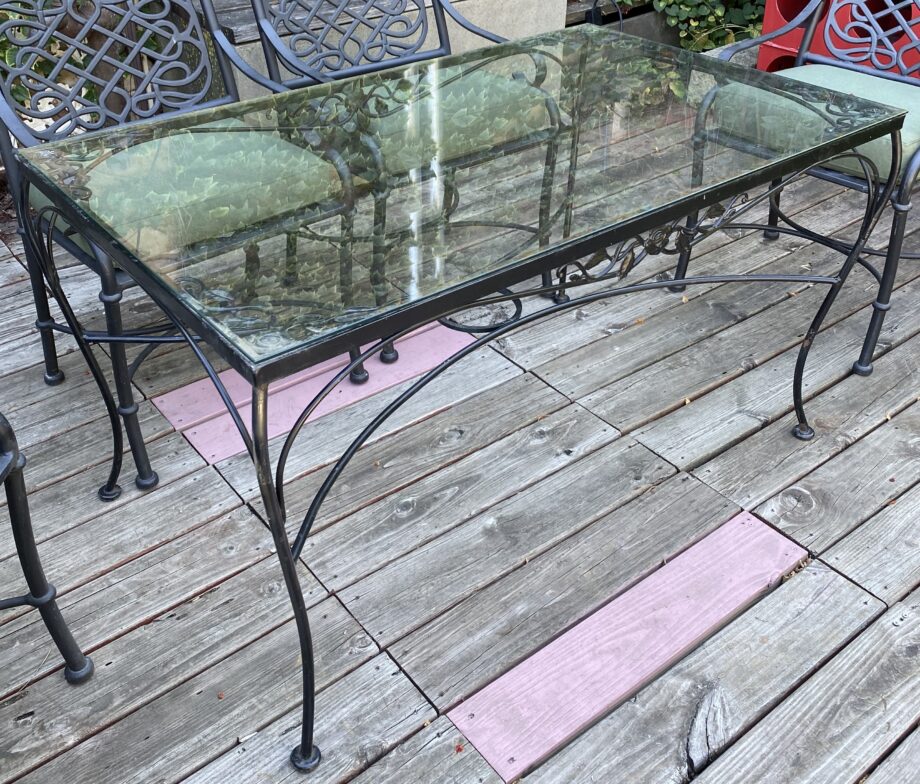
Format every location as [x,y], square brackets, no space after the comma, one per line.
[866,48]
[41,595]
[429,123]
[72,67]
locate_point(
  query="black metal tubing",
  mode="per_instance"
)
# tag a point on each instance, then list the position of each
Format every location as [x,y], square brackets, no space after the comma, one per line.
[78,668]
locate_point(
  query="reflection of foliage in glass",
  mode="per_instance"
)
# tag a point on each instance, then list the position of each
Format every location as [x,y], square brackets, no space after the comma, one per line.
[706,24]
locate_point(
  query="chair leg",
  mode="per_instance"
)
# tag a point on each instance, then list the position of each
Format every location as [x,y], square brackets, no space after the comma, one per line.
[882,304]
[558,295]
[77,667]
[773,217]
[43,321]
[110,296]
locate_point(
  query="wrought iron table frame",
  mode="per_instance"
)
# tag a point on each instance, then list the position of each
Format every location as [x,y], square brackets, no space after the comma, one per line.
[662,230]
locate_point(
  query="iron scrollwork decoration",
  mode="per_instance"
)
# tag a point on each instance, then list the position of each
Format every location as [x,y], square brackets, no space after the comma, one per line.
[883,34]
[81,65]
[329,36]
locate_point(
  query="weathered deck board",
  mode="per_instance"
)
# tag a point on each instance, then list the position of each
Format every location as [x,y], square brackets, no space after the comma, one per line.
[860,480]
[717,359]
[883,554]
[678,723]
[74,500]
[408,519]
[323,440]
[767,461]
[437,753]
[490,631]
[396,460]
[364,716]
[535,708]
[124,598]
[428,580]
[843,718]
[195,720]
[718,420]
[75,556]
[151,660]
[901,765]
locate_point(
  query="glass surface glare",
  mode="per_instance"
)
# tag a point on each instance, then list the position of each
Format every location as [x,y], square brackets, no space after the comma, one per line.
[280,221]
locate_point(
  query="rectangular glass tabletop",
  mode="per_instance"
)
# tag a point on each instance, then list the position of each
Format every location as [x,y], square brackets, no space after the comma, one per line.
[286,229]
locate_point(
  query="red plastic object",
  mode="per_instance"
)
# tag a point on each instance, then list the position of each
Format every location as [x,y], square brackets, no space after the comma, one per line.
[780,52]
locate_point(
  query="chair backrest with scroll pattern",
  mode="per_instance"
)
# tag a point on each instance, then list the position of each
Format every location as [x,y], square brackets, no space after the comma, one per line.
[80,65]
[337,38]
[879,36]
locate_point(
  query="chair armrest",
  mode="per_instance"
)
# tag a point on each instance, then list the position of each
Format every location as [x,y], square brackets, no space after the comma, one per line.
[229,51]
[465,23]
[813,6]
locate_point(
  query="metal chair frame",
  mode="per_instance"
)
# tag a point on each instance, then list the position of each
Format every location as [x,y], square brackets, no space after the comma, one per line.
[83,66]
[78,667]
[855,33]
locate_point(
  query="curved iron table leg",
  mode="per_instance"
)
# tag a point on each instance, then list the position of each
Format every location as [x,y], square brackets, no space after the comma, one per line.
[306,756]
[77,666]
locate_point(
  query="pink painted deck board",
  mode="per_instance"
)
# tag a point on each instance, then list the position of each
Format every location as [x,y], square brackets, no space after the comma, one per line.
[216,438]
[534,709]
[197,402]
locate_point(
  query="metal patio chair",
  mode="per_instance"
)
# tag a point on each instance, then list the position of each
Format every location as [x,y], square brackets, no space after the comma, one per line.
[74,66]
[868,48]
[77,666]
[308,42]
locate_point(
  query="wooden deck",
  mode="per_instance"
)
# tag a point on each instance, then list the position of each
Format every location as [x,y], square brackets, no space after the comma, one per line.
[594,548]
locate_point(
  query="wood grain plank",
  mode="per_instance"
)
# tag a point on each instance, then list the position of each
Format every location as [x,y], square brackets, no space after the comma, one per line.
[571,331]
[901,765]
[437,753]
[158,656]
[428,580]
[217,438]
[104,542]
[840,494]
[395,461]
[188,725]
[73,501]
[675,726]
[883,554]
[490,631]
[696,432]
[842,719]
[380,533]
[717,359]
[124,598]
[322,441]
[548,699]
[361,717]
[767,461]
[672,322]
[75,449]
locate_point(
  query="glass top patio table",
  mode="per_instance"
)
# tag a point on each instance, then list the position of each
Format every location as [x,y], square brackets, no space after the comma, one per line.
[491,166]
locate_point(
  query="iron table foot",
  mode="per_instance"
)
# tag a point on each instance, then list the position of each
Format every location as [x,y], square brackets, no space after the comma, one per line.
[389,355]
[145,483]
[55,378]
[803,432]
[862,370]
[81,675]
[306,764]
[107,493]
[771,234]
